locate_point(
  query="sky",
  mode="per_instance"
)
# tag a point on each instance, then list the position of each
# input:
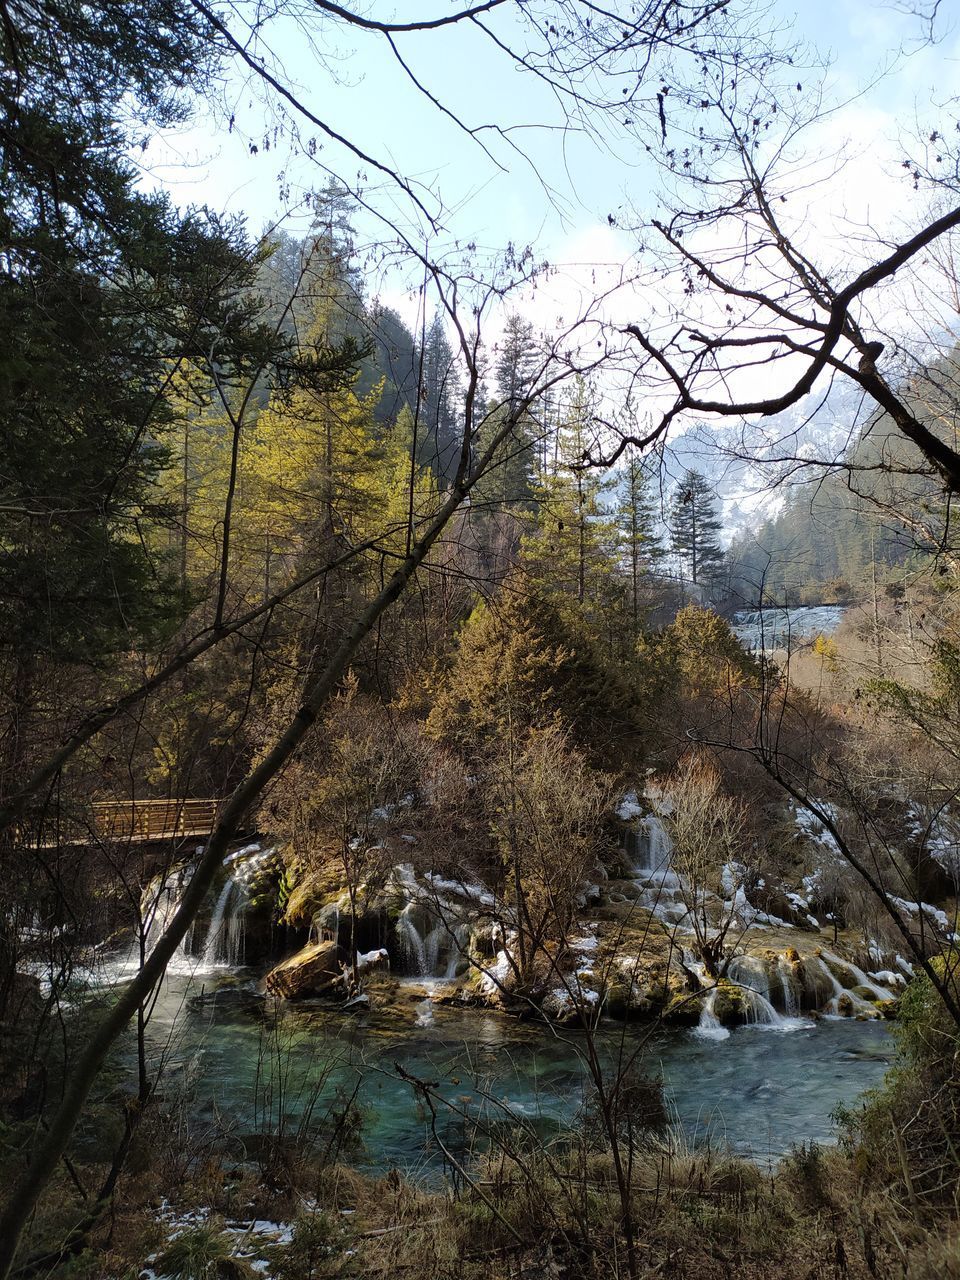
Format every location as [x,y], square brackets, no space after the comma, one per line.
[353,82]
[553,189]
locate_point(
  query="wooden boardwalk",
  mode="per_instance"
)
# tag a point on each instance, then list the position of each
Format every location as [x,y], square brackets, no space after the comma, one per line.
[130,822]
[153,819]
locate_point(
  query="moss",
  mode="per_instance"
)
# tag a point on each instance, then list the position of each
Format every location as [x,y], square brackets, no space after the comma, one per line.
[617,1001]
[843,974]
[730,1004]
[684,1008]
[865,994]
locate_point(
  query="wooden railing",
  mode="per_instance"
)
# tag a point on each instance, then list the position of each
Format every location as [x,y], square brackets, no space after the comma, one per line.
[126,821]
[153,819]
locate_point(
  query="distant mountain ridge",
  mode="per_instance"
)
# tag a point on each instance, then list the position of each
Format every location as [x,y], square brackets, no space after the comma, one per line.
[750,465]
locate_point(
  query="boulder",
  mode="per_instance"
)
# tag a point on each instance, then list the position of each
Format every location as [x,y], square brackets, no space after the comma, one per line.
[310,972]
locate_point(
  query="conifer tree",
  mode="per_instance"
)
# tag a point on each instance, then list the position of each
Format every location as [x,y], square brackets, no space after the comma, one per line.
[437,398]
[638,538]
[695,530]
[508,484]
[571,546]
[393,362]
[515,366]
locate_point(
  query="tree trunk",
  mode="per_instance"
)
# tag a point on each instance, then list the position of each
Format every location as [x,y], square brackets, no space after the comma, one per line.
[50,1149]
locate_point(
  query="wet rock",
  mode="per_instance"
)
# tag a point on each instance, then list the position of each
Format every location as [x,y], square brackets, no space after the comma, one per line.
[243,999]
[730,1004]
[311,972]
[816,989]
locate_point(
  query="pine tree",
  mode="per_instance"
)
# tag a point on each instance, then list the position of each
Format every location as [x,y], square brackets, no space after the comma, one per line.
[571,547]
[638,538]
[439,392]
[515,366]
[695,530]
[394,362]
[104,290]
[508,483]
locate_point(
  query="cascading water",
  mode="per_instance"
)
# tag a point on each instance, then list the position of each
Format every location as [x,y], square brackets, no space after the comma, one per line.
[843,1001]
[223,942]
[158,904]
[648,846]
[223,947]
[859,977]
[432,946]
[788,985]
[710,1027]
[750,975]
[433,935]
[412,944]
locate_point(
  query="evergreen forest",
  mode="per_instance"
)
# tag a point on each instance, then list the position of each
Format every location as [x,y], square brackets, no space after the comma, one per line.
[479,641]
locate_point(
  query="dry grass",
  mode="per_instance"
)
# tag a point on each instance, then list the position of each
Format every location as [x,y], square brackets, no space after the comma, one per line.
[555,1213]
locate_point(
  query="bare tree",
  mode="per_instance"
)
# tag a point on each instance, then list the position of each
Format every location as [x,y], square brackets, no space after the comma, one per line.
[707,829]
[550,808]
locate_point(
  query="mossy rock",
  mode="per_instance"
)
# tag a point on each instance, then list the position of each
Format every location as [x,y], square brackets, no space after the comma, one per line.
[311,971]
[730,1004]
[842,972]
[815,990]
[845,1005]
[866,994]
[485,942]
[620,999]
[307,896]
[683,1008]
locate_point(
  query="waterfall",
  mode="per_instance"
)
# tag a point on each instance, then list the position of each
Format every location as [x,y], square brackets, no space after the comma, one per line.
[710,1027]
[785,972]
[222,946]
[859,977]
[749,973]
[157,910]
[833,1004]
[158,905]
[432,934]
[224,943]
[650,847]
[411,940]
[458,949]
[431,947]
[842,996]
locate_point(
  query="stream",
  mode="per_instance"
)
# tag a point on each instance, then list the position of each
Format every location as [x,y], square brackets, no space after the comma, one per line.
[247,1068]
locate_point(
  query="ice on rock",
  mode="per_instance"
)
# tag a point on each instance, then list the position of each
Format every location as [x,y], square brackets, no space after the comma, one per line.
[629,807]
[938,917]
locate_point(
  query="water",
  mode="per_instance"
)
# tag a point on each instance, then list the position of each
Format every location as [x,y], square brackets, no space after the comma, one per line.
[221,945]
[778,628]
[224,944]
[252,1069]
